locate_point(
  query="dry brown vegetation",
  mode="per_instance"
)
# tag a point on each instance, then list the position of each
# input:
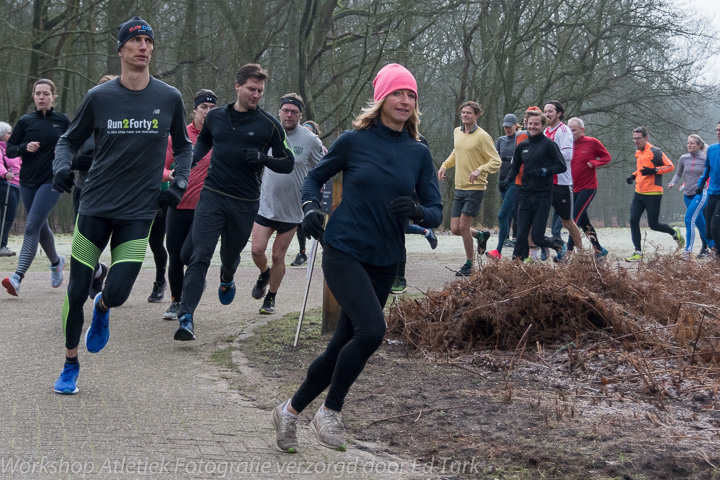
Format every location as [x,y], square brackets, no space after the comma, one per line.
[570,371]
[656,321]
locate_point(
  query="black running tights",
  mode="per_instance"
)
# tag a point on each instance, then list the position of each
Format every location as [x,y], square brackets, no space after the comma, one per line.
[361,291]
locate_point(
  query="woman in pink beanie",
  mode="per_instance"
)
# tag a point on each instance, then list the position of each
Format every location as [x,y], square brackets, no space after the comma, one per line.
[383,164]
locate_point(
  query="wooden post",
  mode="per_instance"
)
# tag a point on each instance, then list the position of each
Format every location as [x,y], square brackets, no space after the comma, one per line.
[330,307]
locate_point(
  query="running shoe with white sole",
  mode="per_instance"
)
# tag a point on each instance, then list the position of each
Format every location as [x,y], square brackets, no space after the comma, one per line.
[285,430]
[327,425]
[172,312]
[399,286]
[268,306]
[12,284]
[66,384]
[300,259]
[635,257]
[56,272]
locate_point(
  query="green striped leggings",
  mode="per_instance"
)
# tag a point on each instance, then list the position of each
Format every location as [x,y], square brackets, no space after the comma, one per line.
[128,243]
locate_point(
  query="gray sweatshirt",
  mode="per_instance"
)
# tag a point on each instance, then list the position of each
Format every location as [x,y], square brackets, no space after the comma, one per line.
[691,165]
[280,192]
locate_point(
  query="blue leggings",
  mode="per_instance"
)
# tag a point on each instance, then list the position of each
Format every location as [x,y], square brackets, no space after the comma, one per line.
[39,202]
[414,229]
[505,214]
[694,217]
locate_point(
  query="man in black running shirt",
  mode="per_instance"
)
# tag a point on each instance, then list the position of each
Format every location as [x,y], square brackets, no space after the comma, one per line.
[240,135]
[130,119]
[540,158]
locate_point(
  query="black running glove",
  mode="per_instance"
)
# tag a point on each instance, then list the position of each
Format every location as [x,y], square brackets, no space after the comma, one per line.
[312,223]
[255,158]
[406,207]
[648,171]
[630,179]
[538,172]
[63,180]
[173,195]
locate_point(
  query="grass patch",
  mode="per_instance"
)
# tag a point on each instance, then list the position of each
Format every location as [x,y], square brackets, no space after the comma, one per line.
[272,343]
[223,357]
[282,366]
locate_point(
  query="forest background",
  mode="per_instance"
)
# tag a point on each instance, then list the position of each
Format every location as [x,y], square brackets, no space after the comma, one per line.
[615,63]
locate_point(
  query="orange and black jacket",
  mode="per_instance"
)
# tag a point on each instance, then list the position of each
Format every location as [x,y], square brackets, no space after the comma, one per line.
[651,157]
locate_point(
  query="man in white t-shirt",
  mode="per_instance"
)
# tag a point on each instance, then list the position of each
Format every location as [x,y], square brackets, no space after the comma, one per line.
[562,191]
[280,203]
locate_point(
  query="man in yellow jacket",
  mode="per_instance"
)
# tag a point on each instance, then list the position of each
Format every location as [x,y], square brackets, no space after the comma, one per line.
[474,157]
[652,163]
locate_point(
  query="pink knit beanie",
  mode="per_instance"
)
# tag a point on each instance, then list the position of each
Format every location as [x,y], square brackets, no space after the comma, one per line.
[393,77]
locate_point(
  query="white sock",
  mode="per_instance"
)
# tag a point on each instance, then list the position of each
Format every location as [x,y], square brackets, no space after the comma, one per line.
[285,410]
[427,232]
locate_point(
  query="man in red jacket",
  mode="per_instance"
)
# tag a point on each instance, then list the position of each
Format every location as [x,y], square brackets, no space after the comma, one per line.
[588,155]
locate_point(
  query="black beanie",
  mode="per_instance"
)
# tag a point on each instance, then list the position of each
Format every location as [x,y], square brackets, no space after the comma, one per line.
[132,28]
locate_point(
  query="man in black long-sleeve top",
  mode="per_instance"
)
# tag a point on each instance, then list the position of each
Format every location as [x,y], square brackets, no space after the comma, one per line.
[540,158]
[130,119]
[240,135]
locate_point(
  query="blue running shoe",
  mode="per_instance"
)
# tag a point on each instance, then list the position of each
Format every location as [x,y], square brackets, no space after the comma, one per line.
[185,331]
[561,253]
[601,254]
[67,383]
[543,253]
[98,334]
[431,238]
[226,292]
[12,284]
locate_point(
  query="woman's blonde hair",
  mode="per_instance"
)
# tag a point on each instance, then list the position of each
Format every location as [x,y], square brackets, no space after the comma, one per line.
[370,115]
[699,141]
